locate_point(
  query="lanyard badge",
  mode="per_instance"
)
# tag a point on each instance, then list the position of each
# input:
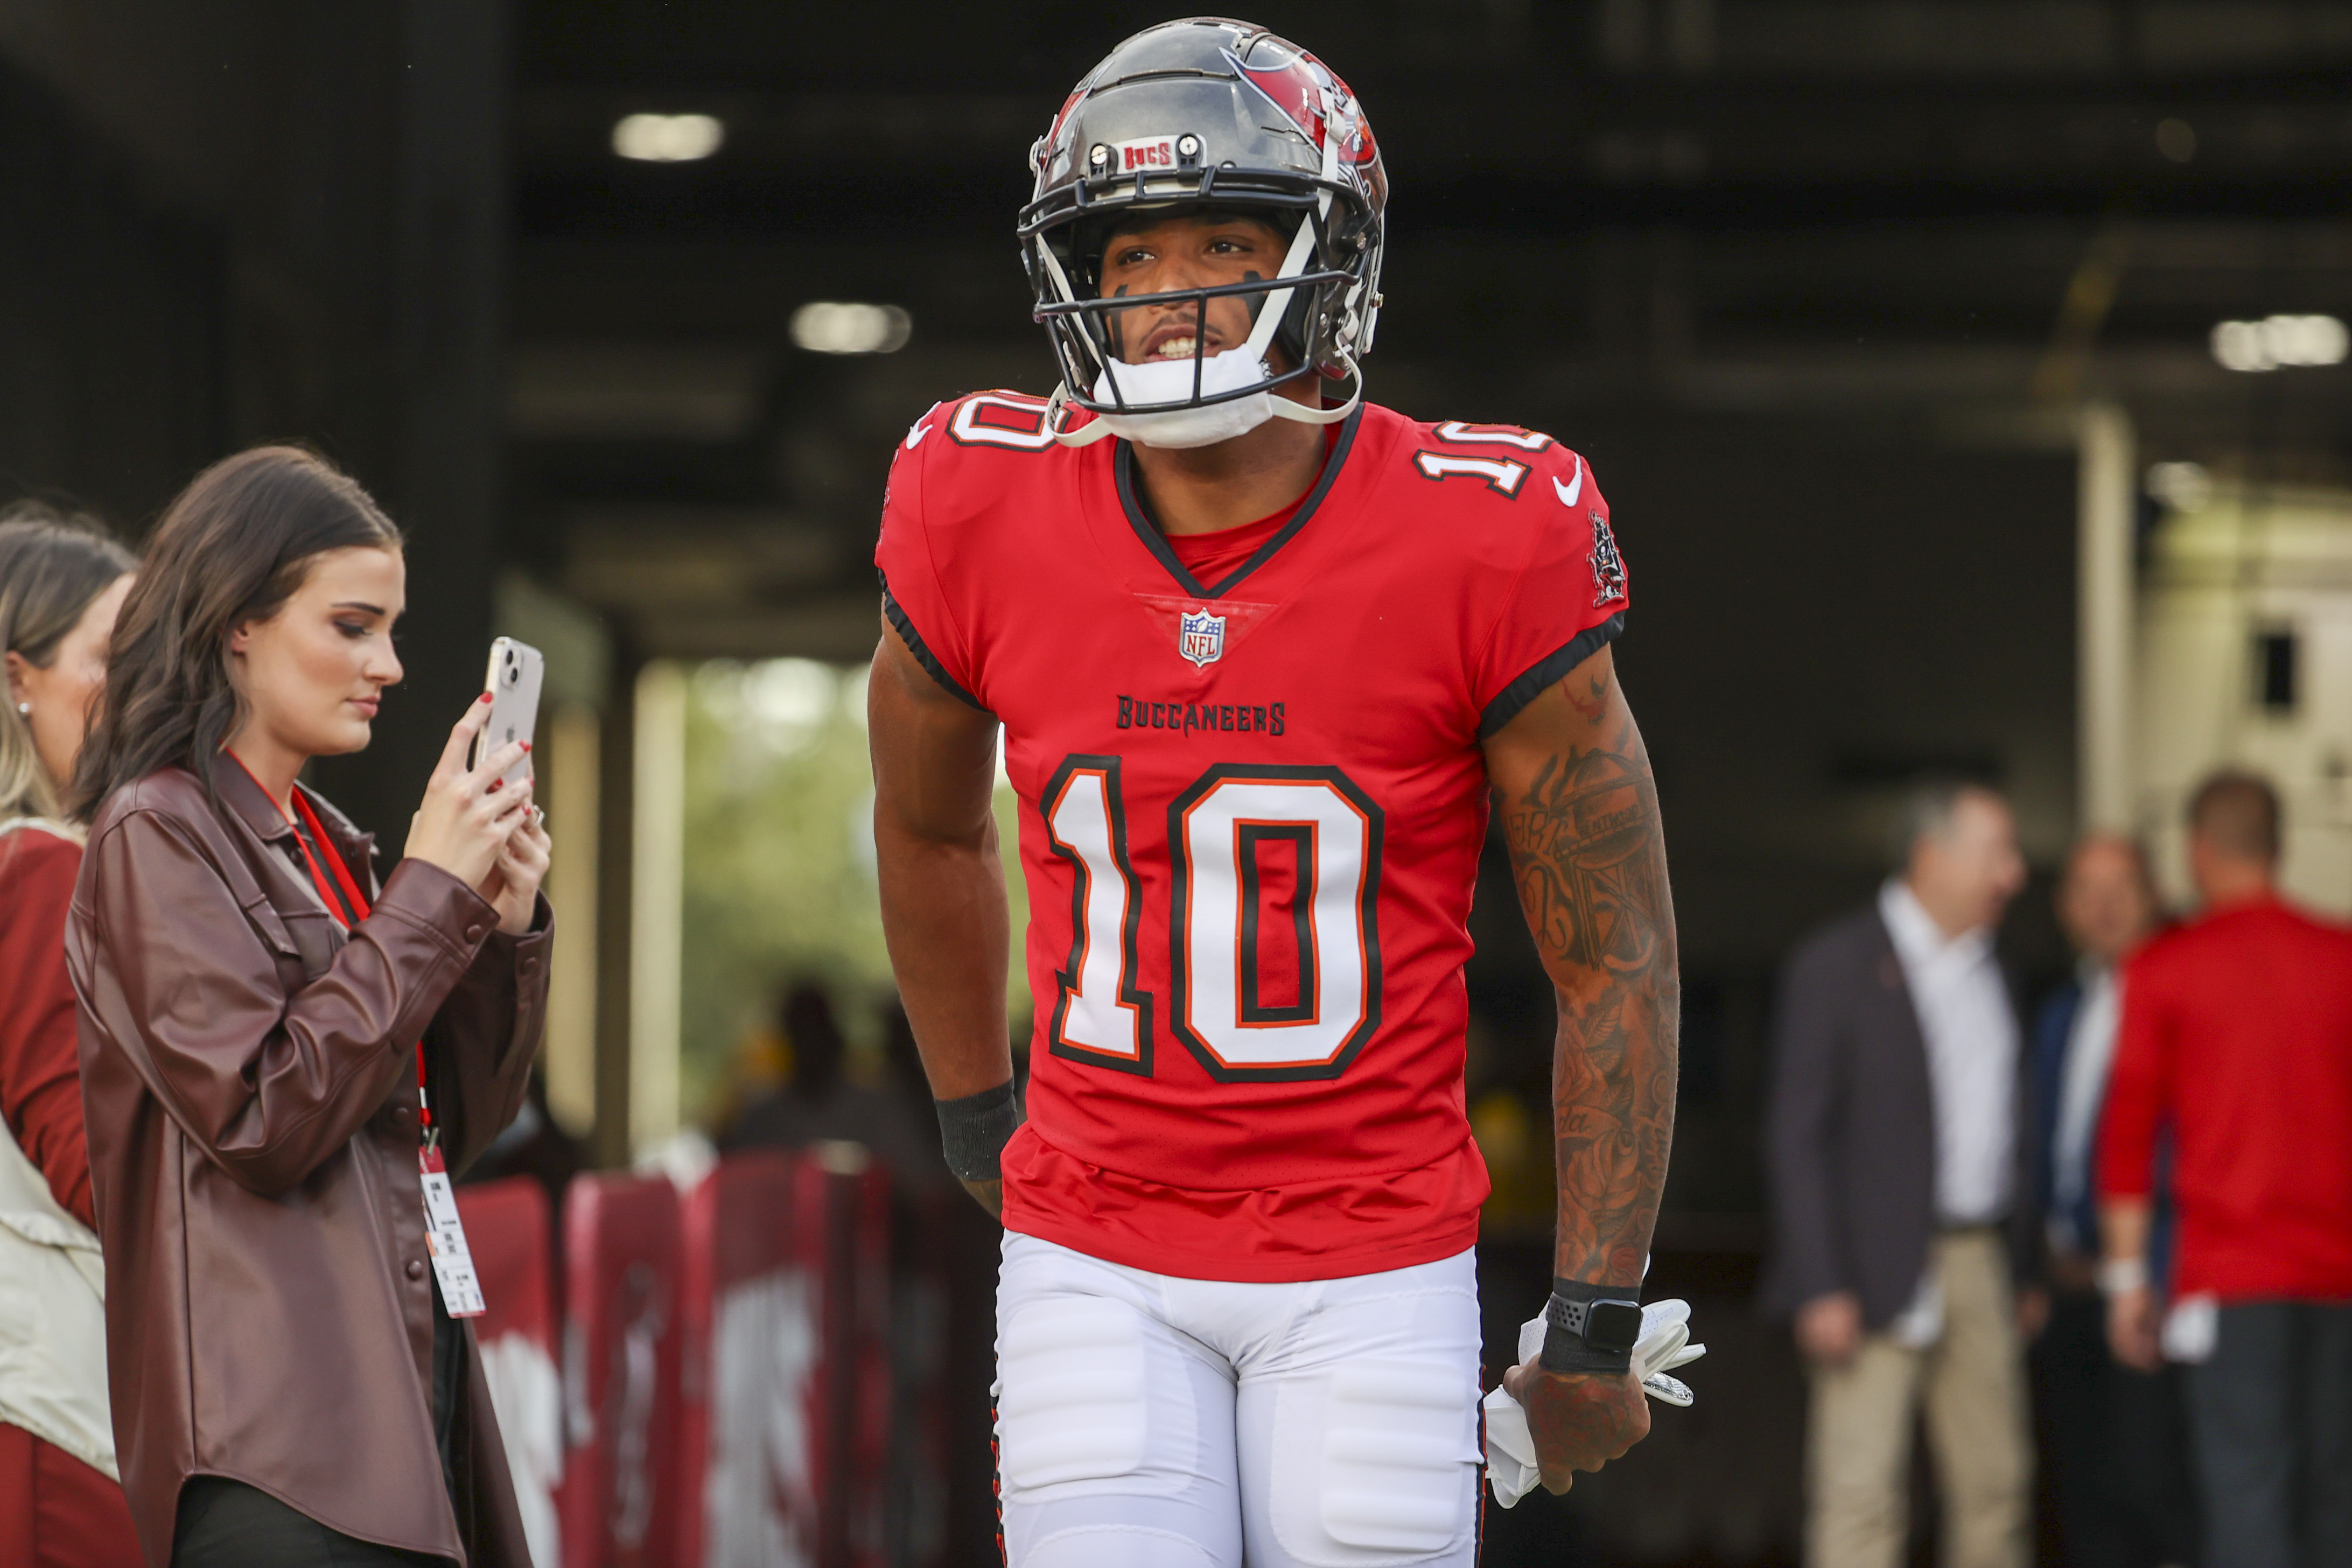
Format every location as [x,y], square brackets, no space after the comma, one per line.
[444,1233]
[445,1238]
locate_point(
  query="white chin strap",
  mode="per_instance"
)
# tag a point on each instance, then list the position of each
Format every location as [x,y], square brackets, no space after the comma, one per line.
[1187,424]
[1163,389]
[1288,408]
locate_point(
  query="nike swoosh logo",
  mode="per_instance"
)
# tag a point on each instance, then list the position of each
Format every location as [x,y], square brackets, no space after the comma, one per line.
[915,439]
[1568,493]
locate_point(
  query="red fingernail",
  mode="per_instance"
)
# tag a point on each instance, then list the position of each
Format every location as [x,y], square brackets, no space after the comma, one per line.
[526,745]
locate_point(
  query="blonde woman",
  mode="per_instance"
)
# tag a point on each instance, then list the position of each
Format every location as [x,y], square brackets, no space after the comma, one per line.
[61,1503]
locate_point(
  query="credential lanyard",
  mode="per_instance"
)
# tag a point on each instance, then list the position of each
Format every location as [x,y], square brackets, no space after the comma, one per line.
[445,1233]
[349,906]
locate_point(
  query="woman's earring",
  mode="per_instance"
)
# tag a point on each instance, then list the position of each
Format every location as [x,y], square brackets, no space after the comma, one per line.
[26,709]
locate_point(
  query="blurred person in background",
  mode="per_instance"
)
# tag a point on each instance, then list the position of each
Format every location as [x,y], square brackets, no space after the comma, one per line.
[787,1115]
[758,1064]
[819,1102]
[2237,1038]
[1894,1141]
[2117,1448]
[271,1043]
[535,1145]
[926,1166]
[61,583]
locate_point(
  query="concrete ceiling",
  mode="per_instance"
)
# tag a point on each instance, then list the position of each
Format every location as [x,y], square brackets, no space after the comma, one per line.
[1841,207]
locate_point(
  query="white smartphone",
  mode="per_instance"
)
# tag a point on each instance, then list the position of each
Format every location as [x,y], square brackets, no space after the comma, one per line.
[513,681]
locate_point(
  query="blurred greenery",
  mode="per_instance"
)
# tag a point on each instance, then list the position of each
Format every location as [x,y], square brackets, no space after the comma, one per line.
[778,874]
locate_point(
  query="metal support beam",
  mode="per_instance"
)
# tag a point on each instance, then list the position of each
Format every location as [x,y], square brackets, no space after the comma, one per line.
[616,825]
[2104,612]
[571,773]
[656,940]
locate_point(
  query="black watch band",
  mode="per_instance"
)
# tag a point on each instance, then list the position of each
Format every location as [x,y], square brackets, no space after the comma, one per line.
[1590,1328]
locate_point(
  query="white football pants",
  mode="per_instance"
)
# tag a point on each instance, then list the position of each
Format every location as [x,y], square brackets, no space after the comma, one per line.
[1147,1421]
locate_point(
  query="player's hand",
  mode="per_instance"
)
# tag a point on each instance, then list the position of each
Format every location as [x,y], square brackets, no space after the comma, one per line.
[467,816]
[1579,1421]
[989,1196]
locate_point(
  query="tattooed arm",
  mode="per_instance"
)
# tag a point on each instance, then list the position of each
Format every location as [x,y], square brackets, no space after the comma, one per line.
[1580,812]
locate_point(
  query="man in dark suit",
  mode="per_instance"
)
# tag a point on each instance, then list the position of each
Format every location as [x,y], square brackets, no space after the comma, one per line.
[2118,1439]
[1895,1141]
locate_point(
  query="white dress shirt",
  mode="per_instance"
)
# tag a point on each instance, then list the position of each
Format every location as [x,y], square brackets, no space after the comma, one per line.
[1962,1002]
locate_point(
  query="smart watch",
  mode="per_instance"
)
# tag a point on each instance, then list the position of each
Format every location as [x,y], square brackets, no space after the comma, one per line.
[1590,1328]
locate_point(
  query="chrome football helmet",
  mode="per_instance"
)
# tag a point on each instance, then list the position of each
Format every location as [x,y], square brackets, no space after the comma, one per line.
[1208,113]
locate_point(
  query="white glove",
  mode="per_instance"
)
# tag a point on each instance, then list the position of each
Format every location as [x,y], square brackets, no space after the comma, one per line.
[1665,1344]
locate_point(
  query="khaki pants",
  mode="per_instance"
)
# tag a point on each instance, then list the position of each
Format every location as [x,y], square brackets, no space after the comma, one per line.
[1972,1383]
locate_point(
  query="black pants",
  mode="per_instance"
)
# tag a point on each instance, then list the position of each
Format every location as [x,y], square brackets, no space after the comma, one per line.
[2116,1445]
[227,1524]
[2272,1414]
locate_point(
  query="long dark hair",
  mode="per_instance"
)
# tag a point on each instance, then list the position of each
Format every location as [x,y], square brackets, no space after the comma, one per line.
[52,566]
[232,547]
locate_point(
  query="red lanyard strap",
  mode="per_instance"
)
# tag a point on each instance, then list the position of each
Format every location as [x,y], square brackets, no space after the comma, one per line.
[351,899]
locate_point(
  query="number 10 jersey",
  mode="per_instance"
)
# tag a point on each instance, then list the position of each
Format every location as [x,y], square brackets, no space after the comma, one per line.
[1251,812]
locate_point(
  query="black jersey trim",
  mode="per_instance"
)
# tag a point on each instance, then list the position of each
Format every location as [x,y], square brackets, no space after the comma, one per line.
[1138,515]
[1547,669]
[915,646]
[1248,838]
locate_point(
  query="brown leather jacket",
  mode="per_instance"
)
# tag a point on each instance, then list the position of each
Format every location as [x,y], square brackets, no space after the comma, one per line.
[251,1080]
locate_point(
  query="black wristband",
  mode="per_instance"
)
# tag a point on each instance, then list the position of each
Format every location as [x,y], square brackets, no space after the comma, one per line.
[1567,1325]
[973,1132]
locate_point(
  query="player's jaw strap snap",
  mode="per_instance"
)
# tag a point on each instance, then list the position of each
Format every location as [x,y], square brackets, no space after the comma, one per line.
[974,1130]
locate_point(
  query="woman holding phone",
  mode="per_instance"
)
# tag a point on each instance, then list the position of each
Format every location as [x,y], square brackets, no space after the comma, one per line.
[270,1041]
[61,583]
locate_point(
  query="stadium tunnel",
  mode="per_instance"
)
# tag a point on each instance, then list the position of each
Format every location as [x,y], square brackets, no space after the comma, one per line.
[1961,377]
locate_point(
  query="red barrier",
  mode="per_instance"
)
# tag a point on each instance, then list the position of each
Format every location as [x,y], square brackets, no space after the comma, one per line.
[786,1383]
[620,1372]
[508,1230]
[729,1391]
[923,1248]
[750,1359]
[854,1468]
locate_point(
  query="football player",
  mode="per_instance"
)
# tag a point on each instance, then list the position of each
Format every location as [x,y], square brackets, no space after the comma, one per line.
[1257,652]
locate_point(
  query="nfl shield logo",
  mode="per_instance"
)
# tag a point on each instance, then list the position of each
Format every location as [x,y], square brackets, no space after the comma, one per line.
[1200,637]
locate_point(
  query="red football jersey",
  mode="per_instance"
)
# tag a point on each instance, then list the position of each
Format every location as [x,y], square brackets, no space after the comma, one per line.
[1251,812]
